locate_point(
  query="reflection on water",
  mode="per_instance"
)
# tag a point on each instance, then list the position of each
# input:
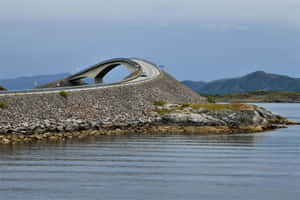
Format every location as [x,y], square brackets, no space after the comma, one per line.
[214,140]
[241,166]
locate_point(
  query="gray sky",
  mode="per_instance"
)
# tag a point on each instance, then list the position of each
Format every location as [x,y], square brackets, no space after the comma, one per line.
[194,39]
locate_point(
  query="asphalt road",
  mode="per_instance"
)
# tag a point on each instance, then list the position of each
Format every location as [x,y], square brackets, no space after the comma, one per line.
[149,70]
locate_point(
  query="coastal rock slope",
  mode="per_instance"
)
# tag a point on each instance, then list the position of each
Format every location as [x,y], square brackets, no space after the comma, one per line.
[218,118]
[81,110]
[135,108]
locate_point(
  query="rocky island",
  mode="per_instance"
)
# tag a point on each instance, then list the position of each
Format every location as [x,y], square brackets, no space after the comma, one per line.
[218,118]
[159,105]
[167,118]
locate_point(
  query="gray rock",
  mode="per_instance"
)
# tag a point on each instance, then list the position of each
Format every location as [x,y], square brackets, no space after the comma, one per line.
[170,106]
[60,129]
[175,117]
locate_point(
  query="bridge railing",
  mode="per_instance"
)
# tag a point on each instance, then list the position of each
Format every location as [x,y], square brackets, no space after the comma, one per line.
[57,89]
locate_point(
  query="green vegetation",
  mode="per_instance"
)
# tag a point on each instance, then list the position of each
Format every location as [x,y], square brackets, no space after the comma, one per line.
[221,107]
[260,96]
[163,111]
[2,104]
[159,103]
[210,99]
[184,105]
[63,93]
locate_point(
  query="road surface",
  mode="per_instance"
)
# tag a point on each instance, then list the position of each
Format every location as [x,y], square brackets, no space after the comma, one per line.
[149,72]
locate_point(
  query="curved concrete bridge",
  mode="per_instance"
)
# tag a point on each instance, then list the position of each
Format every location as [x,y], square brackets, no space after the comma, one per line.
[130,101]
[140,71]
[98,71]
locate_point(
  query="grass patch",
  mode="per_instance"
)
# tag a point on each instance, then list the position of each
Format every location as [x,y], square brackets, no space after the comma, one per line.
[163,111]
[159,103]
[210,99]
[63,93]
[215,107]
[2,104]
[184,105]
[222,107]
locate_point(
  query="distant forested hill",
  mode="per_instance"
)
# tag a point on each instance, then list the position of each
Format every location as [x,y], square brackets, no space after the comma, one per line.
[258,80]
[21,83]
[194,85]
[259,96]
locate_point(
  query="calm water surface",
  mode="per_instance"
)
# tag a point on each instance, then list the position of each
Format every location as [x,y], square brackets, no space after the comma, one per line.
[242,166]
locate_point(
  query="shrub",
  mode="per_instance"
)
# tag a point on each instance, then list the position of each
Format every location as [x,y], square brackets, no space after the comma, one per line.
[63,93]
[184,105]
[2,104]
[210,99]
[163,111]
[259,92]
[159,103]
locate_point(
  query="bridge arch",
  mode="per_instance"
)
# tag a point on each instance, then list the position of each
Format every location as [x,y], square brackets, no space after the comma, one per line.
[98,71]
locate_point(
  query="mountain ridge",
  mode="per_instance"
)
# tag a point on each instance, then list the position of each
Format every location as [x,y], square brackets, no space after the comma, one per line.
[258,80]
[28,82]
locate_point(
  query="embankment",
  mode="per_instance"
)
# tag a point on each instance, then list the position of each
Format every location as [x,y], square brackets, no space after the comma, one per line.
[83,110]
[135,108]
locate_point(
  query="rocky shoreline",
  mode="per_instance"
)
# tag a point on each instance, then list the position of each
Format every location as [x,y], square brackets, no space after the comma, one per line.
[138,109]
[165,118]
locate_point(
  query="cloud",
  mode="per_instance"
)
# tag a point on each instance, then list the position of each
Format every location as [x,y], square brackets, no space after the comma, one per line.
[242,28]
[77,69]
[152,11]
